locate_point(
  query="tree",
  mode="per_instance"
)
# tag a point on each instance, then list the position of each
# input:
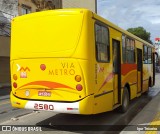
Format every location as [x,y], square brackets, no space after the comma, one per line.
[44,4]
[141,33]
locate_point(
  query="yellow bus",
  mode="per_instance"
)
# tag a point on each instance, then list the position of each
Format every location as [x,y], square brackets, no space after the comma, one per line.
[74,61]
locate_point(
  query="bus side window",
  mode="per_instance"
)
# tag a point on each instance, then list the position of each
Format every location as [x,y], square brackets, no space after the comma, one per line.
[102,43]
[124,48]
[128,50]
[145,54]
[149,55]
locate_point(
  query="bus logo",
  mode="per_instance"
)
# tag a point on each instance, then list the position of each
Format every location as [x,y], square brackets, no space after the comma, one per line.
[19,68]
[23,75]
[23,71]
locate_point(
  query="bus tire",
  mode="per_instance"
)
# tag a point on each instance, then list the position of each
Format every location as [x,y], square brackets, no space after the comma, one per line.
[125,101]
[147,91]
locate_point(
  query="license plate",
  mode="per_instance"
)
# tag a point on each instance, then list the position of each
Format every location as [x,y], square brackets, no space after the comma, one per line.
[44,93]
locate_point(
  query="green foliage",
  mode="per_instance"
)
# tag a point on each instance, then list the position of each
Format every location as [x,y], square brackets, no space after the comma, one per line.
[141,33]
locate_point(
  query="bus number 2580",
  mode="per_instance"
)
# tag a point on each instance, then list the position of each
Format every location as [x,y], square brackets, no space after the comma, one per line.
[44,106]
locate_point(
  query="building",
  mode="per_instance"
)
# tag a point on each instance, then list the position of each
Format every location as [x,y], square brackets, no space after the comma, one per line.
[4,59]
[26,6]
[89,4]
[29,6]
[8,9]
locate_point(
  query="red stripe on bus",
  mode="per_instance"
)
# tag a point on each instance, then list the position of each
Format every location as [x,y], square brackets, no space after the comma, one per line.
[48,84]
[126,68]
[109,77]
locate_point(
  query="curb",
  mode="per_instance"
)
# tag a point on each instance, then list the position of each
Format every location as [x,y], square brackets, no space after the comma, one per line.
[4,97]
[5,85]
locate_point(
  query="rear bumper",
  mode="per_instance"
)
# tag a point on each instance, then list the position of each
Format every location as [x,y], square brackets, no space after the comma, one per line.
[80,107]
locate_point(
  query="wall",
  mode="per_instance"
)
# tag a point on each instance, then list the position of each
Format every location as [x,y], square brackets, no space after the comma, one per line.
[4,46]
[89,4]
[4,70]
[4,59]
[58,4]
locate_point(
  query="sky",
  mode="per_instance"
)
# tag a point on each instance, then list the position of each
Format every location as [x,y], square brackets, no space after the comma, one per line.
[132,13]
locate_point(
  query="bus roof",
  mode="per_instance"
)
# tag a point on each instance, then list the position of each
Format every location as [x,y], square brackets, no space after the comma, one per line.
[77,11]
[67,11]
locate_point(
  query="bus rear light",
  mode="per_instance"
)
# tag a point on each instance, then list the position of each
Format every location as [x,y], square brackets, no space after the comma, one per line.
[43,67]
[15,85]
[78,78]
[69,108]
[79,87]
[15,77]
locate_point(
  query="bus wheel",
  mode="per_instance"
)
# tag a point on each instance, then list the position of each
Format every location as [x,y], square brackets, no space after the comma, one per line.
[147,91]
[125,101]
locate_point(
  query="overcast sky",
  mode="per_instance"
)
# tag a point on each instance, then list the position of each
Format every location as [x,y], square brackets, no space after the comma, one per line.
[132,13]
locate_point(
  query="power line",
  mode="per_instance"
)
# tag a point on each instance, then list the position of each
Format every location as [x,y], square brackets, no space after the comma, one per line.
[5,32]
[7,13]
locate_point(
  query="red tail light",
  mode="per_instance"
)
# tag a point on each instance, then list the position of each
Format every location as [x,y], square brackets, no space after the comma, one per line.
[43,67]
[79,87]
[69,108]
[15,85]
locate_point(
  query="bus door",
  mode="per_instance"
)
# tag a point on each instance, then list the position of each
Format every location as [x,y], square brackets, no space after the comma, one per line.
[139,70]
[116,70]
